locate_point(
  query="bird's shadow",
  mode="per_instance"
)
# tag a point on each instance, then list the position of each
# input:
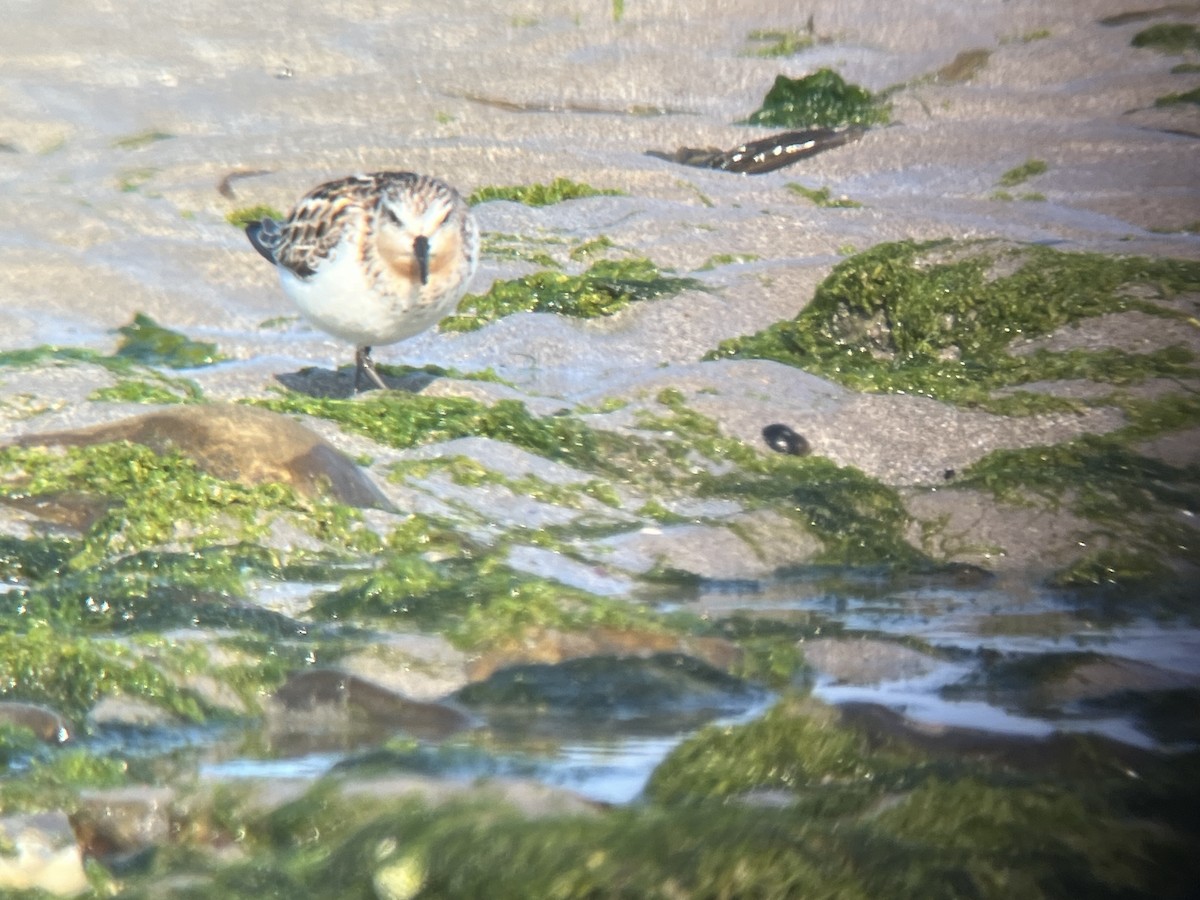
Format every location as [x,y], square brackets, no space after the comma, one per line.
[339,384]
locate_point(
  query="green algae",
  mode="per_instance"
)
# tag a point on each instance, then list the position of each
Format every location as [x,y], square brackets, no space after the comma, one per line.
[1149,418]
[776,661]
[44,353]
[1192,97]
[936,319]
[141,139]
[159,391]
[1042,841]
[130,181]
[965,66]
[466,471]
[727,259]
[605,288]
[1028,196]
[405,420]
[149,592]
[248,215]
[822,197]
[147,342]
[146,500]
[1172,38]
[792,805]
[70,674]
[433,577]
[796,746]
[557,191]
[1028,37]
[17,742]
[1022,173]
[1130,500]
[54,781]
[820,100]
[591,247]
[859,520]
[143,343]
[533,250]
[772,43]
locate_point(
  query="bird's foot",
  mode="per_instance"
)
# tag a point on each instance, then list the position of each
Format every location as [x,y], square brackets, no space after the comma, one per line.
[363,364]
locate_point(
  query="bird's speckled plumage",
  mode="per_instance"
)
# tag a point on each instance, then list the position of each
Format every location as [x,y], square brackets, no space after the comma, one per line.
[374,259]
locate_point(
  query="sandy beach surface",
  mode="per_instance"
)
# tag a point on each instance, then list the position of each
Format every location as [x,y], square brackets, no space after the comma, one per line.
[130,131]
[100,220]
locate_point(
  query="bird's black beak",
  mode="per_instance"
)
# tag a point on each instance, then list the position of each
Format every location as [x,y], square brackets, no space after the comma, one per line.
[421,254]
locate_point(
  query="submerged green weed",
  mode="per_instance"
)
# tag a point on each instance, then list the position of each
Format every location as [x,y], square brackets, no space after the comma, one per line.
[795,746]
[727,259]
[605,288]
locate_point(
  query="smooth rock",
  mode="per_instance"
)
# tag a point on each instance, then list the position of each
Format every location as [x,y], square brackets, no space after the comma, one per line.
[1106,676]
[48,724]
[123,819]
[552,646]
[759,543]
[115,709]
[418,666]
[325,697]
[237,443]
[665,691]
[40,853]
[865,661]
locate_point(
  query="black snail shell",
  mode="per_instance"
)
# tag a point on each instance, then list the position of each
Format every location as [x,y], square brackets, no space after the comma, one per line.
[782,439]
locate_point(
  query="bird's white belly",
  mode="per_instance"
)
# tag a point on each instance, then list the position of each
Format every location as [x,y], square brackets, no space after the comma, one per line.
[338,299]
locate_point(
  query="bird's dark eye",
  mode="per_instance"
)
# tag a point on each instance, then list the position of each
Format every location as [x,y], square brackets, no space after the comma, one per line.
[390,215]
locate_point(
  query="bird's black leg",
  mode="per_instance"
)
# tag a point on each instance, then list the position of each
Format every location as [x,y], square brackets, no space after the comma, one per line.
[364,364]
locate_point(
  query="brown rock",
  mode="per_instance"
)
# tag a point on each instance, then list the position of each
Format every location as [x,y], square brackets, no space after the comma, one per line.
[49,725]
[364,703]
[551,646]
[124,819]
[237,443]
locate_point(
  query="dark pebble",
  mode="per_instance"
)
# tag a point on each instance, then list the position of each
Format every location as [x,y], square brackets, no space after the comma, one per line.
[782,439]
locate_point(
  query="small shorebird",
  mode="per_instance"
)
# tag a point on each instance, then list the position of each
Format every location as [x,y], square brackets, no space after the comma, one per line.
[373,259]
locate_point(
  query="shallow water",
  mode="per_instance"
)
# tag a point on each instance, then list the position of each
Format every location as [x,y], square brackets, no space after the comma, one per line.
[961,634]
[965,631]
[611,769]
